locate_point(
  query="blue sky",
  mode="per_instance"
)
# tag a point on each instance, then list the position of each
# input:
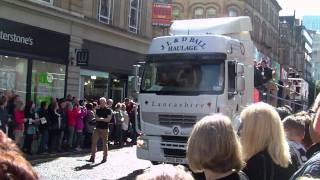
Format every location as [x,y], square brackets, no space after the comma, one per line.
[302,7]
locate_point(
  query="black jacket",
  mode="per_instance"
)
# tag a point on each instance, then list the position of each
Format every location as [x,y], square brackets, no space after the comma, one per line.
[43,113]
[64,118]
[53,119]
[4,116]
[261,167]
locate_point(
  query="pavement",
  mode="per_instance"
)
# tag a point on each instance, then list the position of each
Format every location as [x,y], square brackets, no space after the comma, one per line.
[122,164]
[36,157]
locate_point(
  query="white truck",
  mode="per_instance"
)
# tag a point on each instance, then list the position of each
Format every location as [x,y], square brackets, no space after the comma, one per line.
[205,66]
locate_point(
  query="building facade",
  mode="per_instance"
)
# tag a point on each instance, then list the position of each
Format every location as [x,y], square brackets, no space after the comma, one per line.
[315,59]
[295,47]
[264,16]
[42,42]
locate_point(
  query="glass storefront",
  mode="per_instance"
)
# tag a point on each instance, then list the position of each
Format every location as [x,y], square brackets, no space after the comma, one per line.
[94,84]
[13,74]
[36,67]
[48,80]
[118,89]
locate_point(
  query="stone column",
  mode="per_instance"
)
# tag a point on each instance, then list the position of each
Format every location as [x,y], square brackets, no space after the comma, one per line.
[73,82]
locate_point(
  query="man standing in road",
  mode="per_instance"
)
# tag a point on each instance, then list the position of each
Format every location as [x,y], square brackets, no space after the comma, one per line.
[103,117]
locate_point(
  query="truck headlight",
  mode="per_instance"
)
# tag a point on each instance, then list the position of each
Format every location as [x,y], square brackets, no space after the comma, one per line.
[143,143]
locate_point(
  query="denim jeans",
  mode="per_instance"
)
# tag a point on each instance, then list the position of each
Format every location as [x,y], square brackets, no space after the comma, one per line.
[79,139]
[60,137]
[71,135]
[44,139]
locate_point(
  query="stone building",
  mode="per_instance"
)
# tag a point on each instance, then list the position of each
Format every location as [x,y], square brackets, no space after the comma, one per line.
[264,15]
[295,47]
[41,41]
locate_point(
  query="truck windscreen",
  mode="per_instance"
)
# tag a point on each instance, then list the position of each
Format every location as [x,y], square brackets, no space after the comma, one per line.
[184,77]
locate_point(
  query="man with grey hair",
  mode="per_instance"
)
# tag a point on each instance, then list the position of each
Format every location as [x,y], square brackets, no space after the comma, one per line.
[103,117]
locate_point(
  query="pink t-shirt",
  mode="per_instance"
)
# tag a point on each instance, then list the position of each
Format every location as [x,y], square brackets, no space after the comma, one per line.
[19,118]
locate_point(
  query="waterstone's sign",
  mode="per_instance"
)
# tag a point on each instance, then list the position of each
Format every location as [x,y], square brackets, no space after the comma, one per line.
[182,44]
[26,39]
[13,37]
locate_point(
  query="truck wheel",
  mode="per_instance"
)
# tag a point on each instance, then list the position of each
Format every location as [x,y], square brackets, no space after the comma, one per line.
[155,162]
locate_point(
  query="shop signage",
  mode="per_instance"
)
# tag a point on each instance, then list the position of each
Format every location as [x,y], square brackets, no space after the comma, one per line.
[184,44]
[161,14]
[30,40]
[82,57]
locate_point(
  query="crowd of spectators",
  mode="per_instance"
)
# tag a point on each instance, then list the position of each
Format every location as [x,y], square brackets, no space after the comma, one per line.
[271,143]
[62,124]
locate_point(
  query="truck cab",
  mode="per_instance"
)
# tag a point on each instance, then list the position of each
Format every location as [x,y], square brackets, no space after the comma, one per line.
[191,74]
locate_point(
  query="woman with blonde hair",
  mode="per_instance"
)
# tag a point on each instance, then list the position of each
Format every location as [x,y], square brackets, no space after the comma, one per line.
[265,148]
[214,148]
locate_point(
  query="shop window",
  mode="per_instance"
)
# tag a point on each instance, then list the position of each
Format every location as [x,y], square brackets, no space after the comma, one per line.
[48,80]
[211,13]
[105,11]
[232,12]
[94,84]
[176,13]
[198,13]
[134,16]
[13,75]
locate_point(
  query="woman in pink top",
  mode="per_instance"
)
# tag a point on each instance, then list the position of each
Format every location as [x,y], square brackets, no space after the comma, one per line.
[19,121]
[81,113]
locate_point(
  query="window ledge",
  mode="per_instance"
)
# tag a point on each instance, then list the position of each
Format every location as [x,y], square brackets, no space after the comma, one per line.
[58,9]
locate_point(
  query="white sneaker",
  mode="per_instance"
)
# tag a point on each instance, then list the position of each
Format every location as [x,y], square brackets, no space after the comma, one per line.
[78,149]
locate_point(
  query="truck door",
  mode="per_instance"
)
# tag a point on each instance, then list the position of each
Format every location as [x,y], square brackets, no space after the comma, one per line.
[233,98]
[231,85]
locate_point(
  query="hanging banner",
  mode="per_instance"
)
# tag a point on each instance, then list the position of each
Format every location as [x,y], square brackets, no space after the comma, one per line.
[161,14]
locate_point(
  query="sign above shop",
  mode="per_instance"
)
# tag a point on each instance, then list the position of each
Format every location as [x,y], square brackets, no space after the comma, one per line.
[30,40]
[161,14]
[82,56]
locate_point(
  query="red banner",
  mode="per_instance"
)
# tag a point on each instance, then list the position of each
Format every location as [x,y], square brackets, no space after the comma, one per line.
[161,14]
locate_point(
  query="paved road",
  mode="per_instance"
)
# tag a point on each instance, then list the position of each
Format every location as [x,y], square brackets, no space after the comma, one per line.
[122,164]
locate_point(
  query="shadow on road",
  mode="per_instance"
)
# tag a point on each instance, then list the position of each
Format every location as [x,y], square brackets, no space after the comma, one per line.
[39,159]
[86,166]
[132,175]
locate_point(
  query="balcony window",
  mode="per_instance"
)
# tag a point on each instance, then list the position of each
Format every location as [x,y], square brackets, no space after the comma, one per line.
[198,13]
[134,16]
[176,13]
[211,13]
[105,11]
[232,12]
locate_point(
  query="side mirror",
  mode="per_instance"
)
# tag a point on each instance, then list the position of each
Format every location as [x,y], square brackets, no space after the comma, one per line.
[136,78]
[240,69]
[240,84]
[136,70]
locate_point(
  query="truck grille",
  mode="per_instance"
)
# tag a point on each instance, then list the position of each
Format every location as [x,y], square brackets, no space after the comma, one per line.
[181,120]
[175,139]
[174,146]
[177,153]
